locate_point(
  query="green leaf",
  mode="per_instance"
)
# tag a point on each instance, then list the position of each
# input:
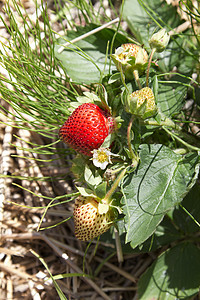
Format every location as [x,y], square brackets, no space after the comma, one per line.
[140,16]
[176,55]
[165,234]
[174,275]
[161,181]
[85,61]
[192,204]
[181,53]
[115,77]
[107,142]
[171,95]
[185,224]
[89,98]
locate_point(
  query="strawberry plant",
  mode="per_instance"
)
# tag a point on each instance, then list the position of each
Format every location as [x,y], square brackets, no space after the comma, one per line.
[116,106]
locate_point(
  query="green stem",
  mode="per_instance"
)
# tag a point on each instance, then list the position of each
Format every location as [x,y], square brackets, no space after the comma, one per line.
[109,194]
[123,79]
[118,245]
[115,171]
[189,214]
[149,65]
[168,123]
[190,138]
[134,157]
[181,141]
[137,79]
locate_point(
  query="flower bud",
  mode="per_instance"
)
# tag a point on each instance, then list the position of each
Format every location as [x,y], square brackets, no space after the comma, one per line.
[159,40]
[130,57]
[141,103]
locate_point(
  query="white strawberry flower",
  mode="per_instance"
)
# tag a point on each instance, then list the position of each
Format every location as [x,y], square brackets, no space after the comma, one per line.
[101,158]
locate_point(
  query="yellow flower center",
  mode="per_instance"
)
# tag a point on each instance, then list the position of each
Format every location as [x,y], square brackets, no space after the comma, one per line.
[102,156]
[123,56]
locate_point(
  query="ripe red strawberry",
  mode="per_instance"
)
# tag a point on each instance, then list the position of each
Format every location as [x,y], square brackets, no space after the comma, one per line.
[89,223]
[87,128]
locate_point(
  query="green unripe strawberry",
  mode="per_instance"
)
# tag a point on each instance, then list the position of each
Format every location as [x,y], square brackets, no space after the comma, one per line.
[89,219]
[130,57]
[141,103]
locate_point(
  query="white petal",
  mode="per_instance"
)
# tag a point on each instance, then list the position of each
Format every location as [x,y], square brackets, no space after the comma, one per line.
[119,50]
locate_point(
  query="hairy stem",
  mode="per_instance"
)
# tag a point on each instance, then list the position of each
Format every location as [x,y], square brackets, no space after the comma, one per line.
[134,157]
[137,79]
[149,65]
[109,194]
[181,141]
[167,122]
[123,79]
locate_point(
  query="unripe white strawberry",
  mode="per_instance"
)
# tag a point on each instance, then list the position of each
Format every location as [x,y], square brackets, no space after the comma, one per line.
[89,219]
[141,103]
[130,57]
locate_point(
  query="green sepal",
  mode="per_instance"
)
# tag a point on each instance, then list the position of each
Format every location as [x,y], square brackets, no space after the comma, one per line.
[114,77]
[86,192]
[78,167]
[107,142]
[89,98]
[101,190]
[92,178]
[103,208]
